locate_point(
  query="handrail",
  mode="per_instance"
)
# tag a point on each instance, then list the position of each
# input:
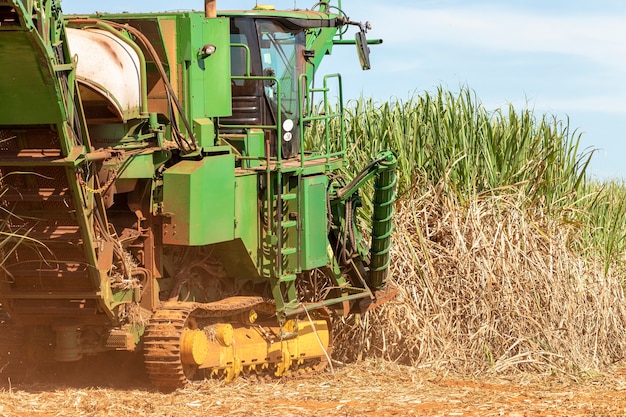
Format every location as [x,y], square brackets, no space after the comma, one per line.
[248,56]
[305,93]
[326,116]
[266,127]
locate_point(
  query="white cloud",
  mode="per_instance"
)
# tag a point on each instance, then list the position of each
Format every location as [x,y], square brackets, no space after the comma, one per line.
[399,65]
[597,37]
[609,104]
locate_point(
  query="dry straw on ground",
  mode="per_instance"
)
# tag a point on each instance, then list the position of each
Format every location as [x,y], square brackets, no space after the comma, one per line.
[485,286]
[370,388]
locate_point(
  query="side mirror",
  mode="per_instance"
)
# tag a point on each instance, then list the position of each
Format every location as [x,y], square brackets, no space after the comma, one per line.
[363,50]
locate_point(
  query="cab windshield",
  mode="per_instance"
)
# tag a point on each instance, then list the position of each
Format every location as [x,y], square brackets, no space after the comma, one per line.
[266,48]
[281,57]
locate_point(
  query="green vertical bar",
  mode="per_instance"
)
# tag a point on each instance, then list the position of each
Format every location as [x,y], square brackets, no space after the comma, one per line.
[382,224]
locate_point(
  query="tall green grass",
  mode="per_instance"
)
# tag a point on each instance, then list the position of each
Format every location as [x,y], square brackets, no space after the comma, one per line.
[451,139]
[601,212]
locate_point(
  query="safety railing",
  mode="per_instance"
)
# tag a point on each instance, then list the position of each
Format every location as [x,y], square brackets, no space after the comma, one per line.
[330,149]
[333,147]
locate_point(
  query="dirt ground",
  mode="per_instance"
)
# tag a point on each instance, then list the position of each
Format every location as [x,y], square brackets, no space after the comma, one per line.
[366,389]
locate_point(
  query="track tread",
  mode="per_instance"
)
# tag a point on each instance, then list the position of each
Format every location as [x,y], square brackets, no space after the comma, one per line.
[162,346]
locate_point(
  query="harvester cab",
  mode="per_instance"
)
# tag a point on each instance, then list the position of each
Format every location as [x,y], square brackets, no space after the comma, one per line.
[274,57]
[162,190]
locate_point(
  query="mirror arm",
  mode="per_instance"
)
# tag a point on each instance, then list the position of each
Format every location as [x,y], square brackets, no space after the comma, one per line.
[353,42]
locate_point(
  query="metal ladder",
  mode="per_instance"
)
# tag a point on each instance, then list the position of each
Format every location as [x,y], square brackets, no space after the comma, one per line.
[284,237]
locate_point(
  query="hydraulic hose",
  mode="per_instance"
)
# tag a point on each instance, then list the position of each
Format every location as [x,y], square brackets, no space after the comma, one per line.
[382,215]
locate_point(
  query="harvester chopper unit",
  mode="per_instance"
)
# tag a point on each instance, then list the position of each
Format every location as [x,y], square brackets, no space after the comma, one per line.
[158,194]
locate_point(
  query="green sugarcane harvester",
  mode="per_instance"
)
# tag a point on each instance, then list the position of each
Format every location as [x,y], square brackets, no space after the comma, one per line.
[158,194]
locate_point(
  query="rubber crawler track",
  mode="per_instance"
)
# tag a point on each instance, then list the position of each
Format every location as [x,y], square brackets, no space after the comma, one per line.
[162,346]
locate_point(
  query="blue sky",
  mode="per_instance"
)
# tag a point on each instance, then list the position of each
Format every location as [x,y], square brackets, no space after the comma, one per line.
[566,58]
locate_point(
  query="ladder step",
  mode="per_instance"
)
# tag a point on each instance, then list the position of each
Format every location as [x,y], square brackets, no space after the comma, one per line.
[289,196]
[38,195]
[51,295]
[40,161]
[289,251]
[61,232]
[289,223]
[287,278]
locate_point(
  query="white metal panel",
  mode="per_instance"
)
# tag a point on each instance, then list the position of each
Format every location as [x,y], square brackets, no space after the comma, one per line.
[109,66]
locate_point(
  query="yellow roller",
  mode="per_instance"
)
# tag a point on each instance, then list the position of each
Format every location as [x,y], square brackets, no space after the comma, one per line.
[194,347]
[235,348]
